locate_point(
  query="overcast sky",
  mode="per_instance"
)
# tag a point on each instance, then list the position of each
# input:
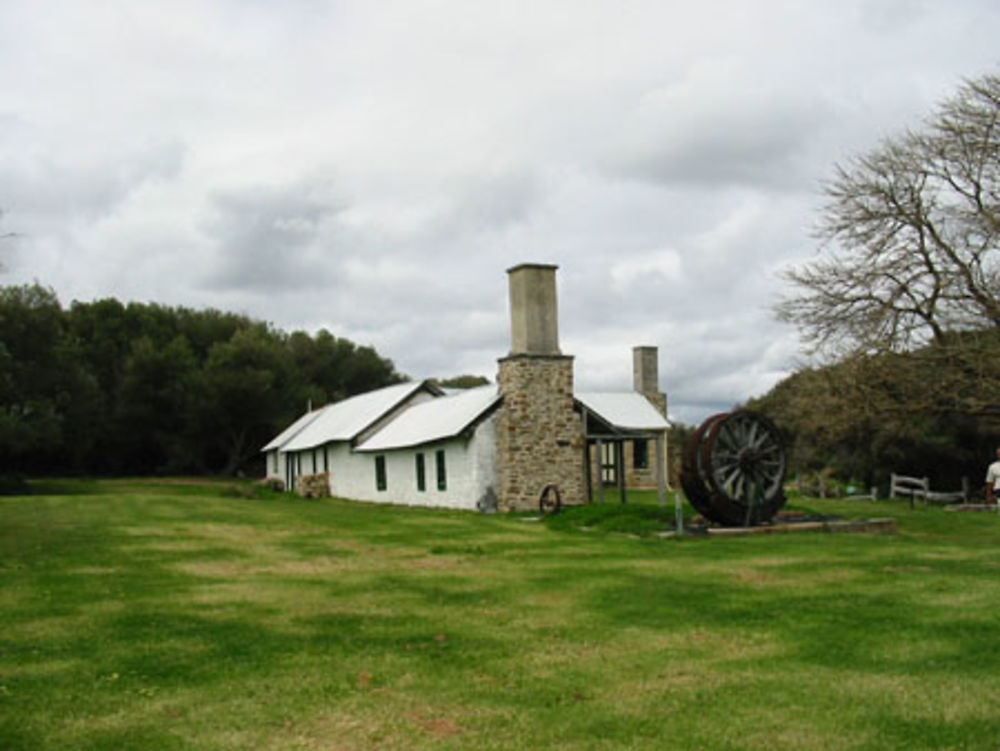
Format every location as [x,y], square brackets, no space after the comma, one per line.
[374,167]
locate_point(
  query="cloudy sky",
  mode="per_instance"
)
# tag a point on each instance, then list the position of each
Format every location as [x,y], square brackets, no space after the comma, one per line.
[374,167]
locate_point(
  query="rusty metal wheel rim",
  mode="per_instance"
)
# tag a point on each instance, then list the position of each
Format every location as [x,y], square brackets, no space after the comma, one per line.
[550,500]
[696,489]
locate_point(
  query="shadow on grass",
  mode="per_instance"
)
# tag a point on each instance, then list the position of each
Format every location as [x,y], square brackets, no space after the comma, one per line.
[898,731]
[870,631]
[442,590]
[64,486]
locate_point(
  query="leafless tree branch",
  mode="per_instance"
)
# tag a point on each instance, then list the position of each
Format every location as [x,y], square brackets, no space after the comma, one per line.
[910,253]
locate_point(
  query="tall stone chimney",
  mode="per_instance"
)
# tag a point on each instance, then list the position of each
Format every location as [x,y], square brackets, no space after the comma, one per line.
[645,376]
[539,435]
[534,315]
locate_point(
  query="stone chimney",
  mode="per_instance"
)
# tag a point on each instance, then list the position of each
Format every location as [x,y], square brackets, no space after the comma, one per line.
[539,435]
[645,376]
[534,315]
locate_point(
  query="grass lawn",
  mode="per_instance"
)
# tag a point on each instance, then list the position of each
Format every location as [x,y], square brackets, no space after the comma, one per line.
[143,615]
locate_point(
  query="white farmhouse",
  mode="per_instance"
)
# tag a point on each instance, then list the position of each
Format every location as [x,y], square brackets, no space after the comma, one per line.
[492,447]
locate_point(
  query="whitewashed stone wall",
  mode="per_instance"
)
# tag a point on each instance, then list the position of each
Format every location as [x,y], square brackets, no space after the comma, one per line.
[469,469]
[275,465]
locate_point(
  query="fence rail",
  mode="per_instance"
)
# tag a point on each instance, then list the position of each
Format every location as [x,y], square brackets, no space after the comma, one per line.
[920,487]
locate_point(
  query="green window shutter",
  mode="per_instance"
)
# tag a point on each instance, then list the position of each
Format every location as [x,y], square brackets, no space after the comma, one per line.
[442,476]
[421,473]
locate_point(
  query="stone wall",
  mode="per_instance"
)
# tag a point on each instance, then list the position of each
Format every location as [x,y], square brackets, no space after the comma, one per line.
[539,435]
[658,399]
[313,486]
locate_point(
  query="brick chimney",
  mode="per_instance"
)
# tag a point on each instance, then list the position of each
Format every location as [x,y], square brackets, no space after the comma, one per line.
[539,435]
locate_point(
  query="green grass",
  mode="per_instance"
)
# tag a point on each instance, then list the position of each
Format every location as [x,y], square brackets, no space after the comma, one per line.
[634,517]
[155,615]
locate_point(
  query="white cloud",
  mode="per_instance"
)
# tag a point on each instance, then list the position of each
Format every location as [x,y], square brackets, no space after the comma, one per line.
[665,265]
[373,167]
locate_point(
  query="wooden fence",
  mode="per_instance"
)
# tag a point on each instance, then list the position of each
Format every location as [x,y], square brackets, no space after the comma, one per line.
[920,487]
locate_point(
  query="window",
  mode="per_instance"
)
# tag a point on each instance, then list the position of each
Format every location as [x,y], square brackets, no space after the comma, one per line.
[609,464]
[421,474]
[380,479]
[274,456]
[640,453]
[442,477]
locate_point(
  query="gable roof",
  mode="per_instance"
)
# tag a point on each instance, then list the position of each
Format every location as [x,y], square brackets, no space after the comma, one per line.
[627,410]
[345,420]
[434,420]
[442,417]
[292,430]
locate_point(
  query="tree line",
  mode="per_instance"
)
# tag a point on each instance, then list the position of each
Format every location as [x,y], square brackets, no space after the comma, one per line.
[106,387]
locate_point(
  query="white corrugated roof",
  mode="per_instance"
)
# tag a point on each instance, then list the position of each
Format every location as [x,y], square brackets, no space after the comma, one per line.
[344,420]
[292,430]
[434,420]
[629,410]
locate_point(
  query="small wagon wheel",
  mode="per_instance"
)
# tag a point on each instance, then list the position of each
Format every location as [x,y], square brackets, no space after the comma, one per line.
[550,499]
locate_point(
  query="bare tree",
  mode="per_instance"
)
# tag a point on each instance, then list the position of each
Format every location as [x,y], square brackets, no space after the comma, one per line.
[910,235]
[910,261]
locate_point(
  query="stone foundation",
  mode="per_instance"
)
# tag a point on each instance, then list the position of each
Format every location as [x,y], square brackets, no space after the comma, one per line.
[539,435]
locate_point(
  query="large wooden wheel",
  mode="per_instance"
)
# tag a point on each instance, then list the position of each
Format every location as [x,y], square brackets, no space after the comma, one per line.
[733,469]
